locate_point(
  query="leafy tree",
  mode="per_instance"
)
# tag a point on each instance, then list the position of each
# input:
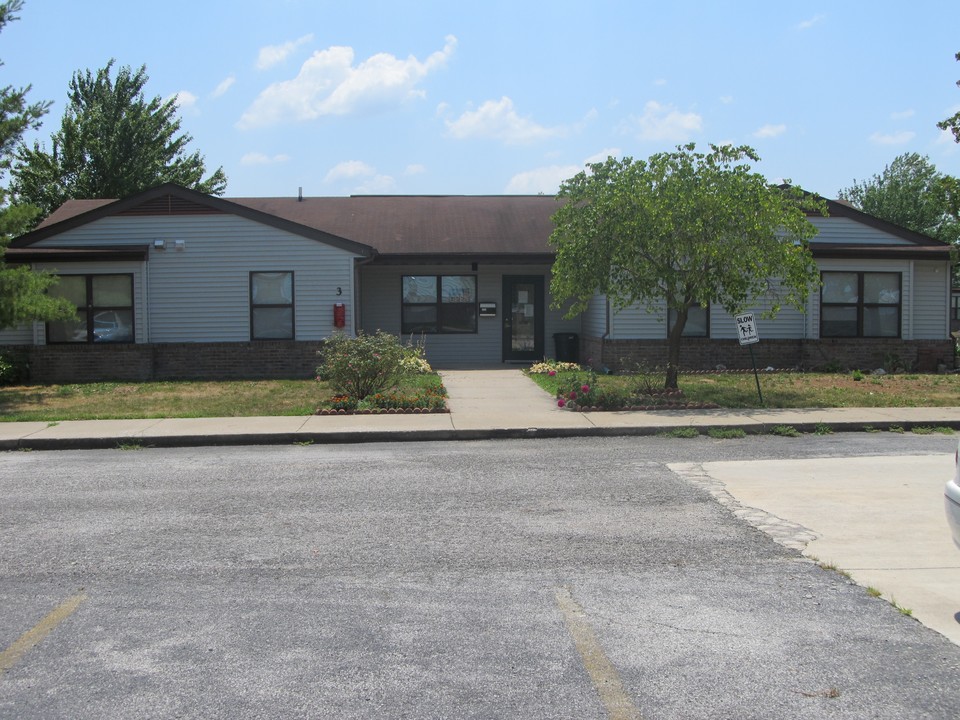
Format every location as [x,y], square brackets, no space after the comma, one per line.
[684,228]
[22,292]
[952,123]
[112,142]
[911,193]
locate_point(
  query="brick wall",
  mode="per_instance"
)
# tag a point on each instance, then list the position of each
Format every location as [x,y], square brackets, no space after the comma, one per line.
[707,354]
[173,361]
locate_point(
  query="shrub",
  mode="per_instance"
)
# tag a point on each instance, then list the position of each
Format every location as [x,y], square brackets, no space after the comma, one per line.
[362,365]
[13,367]
[648,380]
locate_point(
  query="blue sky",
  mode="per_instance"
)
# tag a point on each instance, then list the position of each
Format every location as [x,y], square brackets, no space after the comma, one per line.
[512,97]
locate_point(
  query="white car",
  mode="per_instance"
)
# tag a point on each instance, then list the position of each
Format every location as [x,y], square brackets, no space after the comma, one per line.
[952,499]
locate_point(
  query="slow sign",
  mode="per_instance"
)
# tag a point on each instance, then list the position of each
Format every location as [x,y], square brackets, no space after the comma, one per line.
[747,329]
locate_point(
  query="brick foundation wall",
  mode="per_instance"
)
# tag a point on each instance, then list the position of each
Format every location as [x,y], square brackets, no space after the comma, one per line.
[173,361]
[707,354]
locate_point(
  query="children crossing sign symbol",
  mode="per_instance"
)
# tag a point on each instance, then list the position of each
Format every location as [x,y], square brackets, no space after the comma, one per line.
[747,329]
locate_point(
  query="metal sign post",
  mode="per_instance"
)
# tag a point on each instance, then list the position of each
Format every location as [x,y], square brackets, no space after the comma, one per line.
[747,335]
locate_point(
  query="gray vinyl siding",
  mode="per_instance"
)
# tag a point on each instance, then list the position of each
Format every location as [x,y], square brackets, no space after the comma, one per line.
[202,292]
[789,323]
[931,302]
[380,310]
[636,322]
[849,232]
[595,316]
[22,335]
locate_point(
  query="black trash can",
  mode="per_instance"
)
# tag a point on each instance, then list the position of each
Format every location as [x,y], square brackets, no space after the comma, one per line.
[567,346]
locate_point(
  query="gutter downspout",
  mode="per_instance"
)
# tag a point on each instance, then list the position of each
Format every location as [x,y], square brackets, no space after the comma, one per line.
[357,264]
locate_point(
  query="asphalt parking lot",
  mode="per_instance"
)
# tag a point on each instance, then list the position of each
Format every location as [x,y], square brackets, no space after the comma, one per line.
[580,577]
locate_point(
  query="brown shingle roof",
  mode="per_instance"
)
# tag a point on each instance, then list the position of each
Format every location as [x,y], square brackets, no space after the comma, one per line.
[435,225]
[403,225]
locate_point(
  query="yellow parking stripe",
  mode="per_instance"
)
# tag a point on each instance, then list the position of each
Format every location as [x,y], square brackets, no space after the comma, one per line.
[11,656]
[602,672]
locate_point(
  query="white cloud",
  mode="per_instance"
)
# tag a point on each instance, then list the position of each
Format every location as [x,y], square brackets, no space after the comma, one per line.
[330,84]
[663,122]
[224,85]
[498,120]
[903,115]
[899,138]
[547,179]
[603,155]
[770,131]
[186,100]
[275,54]
[349,169]
[541,180]
[256,158]
[660,82]
[726,99]
[415,169]
[376,185]
[807,24]
[370,181]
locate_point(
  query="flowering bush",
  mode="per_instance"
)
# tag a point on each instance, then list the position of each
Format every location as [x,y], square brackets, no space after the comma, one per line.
[581,389]
[343,402]
[414,362]
[552,367]
[362,365]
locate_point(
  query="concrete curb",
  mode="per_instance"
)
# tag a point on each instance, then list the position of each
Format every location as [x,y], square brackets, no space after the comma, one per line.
[386,436]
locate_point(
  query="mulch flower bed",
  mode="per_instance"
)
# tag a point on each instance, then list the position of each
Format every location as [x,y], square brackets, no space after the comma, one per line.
[382,411]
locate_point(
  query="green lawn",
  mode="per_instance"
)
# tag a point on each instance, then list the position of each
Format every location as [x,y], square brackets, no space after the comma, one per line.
[97,401]
[798,390]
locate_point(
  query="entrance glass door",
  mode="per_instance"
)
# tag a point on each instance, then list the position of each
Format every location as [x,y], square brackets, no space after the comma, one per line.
[522,318]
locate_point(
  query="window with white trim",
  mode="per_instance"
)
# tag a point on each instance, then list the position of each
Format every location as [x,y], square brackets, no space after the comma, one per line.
[271,306]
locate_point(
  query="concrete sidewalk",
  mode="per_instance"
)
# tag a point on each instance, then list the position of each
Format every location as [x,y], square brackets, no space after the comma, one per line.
[499,403]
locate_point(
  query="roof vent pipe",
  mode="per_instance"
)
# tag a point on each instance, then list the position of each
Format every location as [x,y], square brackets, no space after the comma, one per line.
[300,194]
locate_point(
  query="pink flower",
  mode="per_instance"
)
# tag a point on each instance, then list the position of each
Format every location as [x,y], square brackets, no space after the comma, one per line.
[561,402]
[573,395]
[552,373]
[585,389]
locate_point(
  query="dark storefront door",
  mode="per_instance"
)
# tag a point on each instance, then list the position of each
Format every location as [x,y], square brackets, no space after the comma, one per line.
[522,318]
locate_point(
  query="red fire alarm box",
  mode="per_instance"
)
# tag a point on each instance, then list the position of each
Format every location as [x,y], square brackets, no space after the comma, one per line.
[339,315]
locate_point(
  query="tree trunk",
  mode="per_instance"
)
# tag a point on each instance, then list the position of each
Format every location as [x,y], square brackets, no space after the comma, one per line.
[673,350]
